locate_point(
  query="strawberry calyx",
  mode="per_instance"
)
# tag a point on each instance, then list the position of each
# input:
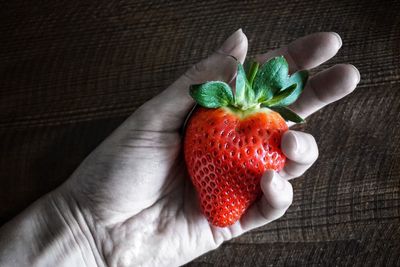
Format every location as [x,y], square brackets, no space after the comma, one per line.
[258,87]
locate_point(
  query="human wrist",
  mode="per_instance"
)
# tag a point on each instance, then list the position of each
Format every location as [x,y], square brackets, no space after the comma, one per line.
[52,231]
[75,225]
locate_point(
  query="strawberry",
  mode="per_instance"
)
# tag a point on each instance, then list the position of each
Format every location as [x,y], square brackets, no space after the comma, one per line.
[232,139]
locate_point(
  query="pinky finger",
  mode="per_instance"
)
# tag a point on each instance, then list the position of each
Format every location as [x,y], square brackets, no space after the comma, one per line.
[276,199]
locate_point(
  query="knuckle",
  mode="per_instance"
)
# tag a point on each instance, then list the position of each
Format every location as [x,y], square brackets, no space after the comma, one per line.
[279,212]
[284,199]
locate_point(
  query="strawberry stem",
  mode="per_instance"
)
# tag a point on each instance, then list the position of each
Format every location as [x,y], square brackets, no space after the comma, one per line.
[253,72]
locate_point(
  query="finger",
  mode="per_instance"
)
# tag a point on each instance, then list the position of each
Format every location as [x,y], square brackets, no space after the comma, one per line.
[276,199]
[307,52]
[301,151]
[326,87]
[169,109]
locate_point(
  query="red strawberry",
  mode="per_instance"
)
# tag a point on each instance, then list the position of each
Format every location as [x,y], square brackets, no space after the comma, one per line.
[233,139]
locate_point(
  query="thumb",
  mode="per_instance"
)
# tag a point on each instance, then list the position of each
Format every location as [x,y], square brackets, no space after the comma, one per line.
[168,110]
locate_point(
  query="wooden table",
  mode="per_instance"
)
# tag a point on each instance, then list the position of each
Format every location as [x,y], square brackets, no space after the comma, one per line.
[71,71]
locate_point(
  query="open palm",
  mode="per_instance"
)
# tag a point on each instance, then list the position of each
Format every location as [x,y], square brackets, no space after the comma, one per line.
[134,191]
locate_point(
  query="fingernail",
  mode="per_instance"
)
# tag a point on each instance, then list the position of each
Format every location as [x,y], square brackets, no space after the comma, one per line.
[338,38]
[232,42]
[277,182]
[357,72]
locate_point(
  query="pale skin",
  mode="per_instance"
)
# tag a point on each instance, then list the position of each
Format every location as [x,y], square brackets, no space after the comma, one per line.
[131,203]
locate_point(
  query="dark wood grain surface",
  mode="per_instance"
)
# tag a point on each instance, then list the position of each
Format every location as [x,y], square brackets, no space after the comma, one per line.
[71,71]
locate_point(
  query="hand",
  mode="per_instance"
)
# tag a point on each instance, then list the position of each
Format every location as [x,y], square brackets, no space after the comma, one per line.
[135,189]
[132,198]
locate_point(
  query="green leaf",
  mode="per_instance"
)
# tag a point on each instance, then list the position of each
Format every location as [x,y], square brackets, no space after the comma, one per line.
[288,114]
[281,97]
[300,78]
[240,85]
[212,94]
[270,78]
